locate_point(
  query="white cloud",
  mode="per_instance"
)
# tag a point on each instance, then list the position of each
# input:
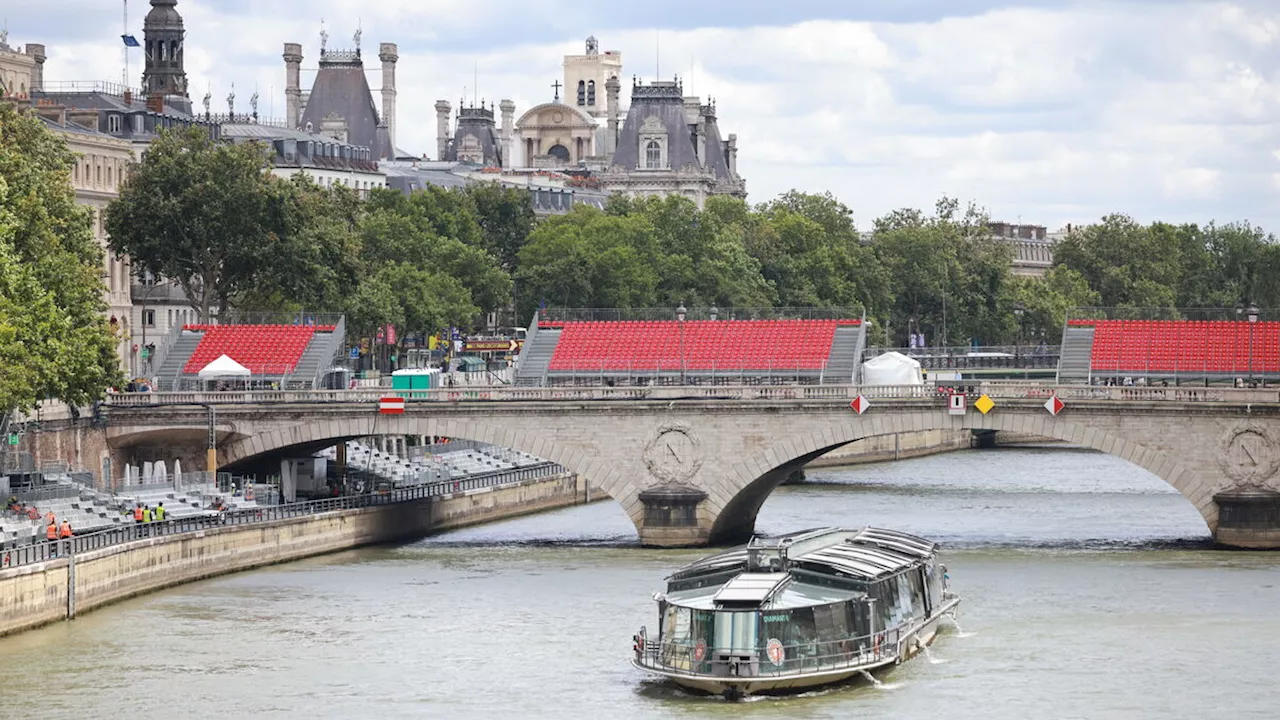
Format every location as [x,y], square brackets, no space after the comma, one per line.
[1163,110]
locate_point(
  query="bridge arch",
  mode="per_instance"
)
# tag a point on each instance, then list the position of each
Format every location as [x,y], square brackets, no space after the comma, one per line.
[748,487]
[600,475]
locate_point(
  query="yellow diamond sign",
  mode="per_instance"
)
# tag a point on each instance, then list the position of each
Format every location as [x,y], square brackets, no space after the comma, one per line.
[984,404]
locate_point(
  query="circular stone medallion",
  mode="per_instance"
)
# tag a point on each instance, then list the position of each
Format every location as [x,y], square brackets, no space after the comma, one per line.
[1248,455]
[673,455]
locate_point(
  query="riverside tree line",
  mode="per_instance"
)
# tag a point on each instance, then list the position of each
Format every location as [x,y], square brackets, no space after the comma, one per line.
[210,217]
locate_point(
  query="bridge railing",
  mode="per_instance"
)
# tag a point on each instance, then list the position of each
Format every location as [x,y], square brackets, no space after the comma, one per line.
[50,549]
[994,388]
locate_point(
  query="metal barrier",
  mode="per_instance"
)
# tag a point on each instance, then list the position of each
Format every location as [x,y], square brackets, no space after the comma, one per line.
[507,393]
[51,549]
[851,652]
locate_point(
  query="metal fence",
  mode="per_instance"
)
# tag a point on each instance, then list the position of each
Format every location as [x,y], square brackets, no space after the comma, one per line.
[964,358]
[1161,313]
[698,313]
[51,549]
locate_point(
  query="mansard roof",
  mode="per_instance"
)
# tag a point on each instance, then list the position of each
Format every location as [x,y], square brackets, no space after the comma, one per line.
[663,101]
[341,89]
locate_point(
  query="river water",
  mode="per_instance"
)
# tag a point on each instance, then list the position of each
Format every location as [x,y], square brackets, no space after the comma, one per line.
[1089,592]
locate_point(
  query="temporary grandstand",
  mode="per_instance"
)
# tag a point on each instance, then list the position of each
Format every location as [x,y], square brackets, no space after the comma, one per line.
[1160,345]
[280,351]
[692,347]
[427,464]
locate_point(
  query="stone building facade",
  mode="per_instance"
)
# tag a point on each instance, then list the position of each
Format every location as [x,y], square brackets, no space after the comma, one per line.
[340,102]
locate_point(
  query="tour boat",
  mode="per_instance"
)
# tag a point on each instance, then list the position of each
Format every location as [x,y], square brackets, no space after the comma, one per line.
[789,613]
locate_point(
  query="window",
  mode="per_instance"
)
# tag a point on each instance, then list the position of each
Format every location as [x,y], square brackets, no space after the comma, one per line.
[591,92]
[582,92]
[653,155]
[113,123]
[149,318]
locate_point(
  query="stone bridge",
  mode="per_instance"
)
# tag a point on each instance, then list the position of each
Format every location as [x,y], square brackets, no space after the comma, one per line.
[693,465]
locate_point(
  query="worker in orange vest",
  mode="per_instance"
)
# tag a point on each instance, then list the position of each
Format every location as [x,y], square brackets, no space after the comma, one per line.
[137,512]
[33,513]
[51,532]
[65,530]
[49,518]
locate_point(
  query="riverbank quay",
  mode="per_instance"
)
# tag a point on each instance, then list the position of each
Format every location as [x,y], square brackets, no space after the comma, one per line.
[51,581]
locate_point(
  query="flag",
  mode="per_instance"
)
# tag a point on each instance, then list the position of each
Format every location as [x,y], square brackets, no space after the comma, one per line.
[130,41]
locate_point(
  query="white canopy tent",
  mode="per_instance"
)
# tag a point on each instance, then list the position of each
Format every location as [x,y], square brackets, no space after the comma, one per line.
[224,368]
[892,368]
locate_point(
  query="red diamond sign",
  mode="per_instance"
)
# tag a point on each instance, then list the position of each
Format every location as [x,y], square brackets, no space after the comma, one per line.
[1054,405]
[860,404]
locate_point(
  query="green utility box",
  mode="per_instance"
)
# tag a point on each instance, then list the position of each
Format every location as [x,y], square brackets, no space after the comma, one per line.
[404,382]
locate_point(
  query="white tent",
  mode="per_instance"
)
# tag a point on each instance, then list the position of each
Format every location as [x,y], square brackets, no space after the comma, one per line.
[891,368]
[224,367]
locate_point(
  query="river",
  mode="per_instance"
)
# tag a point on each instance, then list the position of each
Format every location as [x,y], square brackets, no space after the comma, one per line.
[1089,592]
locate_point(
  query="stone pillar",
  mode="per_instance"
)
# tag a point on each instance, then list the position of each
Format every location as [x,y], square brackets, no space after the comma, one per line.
[508,109]
[389,54]
[288,480]
[293,84]
[612,90]
[442,128]
[733,154]
[671,517]
[1248,518]
[36,51]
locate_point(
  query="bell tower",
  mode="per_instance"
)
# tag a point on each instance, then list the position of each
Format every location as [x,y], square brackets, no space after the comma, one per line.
[163,44]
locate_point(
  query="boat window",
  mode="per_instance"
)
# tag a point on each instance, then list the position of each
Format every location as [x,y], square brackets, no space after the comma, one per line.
[831,622]
[676,625]
[736,633]
[904,597]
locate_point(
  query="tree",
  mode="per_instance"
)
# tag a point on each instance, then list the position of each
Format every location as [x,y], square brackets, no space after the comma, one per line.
[204,214]
[1128,264]
[54,340]
[505,215]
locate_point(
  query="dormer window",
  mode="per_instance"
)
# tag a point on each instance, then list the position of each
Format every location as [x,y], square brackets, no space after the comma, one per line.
[653,155]
[113,123]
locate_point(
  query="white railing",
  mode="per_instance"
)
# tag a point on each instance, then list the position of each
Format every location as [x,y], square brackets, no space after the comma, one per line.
[914,394]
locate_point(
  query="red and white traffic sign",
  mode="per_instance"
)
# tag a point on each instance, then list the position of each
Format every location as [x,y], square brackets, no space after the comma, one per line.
[391,406]
[1054,405]
[860,404]
[957,406]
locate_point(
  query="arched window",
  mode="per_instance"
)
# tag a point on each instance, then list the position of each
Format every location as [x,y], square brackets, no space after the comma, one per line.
[653,155]
[559,152]
[591,92]
[582,92]
[163,50]
[173,51]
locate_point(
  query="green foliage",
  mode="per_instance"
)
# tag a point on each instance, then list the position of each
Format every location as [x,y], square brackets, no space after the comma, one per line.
[54,340]
[206,215]
[505,216]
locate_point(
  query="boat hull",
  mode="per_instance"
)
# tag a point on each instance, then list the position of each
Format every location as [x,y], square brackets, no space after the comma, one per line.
[913,641]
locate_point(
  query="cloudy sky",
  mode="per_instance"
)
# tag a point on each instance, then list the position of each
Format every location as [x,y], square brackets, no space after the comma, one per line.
[1044,111]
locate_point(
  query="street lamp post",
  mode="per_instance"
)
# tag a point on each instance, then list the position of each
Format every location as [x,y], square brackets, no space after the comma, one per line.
[681,312]
[1018,310]
[1253,320]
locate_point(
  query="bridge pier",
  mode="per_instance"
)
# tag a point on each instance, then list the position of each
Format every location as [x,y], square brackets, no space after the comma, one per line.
[671,517]
[1248,518]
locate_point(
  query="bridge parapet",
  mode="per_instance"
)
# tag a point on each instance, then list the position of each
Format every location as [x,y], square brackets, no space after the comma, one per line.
[996,390]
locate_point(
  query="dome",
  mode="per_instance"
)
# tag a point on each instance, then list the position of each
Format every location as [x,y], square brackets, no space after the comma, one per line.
[163,14]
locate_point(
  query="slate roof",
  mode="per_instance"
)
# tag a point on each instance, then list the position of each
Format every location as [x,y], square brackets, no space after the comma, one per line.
[479,123]
[665,101]
[341,89]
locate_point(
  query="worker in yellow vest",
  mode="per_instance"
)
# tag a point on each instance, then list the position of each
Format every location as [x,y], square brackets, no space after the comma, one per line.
[160,512]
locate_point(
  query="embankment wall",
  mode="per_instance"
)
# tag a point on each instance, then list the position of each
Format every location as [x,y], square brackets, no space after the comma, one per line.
[58,589]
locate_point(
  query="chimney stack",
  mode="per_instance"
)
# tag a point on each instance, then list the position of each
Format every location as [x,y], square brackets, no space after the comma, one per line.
[733,155]
[442,128]
[612,87]
[37,71]
[293,84]
[155,103]
[389,54]
[508,132]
